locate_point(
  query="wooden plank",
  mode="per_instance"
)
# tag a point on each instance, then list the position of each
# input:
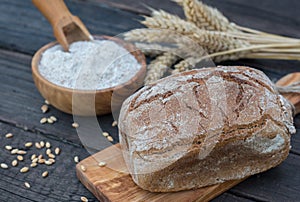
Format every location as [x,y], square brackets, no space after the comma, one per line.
[274,16]
[274,69]
[113,182]
[60,185]
[231,198]
[271,16]
[26,30]
[141,7]
[278,184]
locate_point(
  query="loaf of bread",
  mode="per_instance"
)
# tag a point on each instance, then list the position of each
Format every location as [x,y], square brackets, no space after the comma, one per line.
[203,127]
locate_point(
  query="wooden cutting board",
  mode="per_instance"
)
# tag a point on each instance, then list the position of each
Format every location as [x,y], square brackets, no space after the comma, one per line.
[107,184]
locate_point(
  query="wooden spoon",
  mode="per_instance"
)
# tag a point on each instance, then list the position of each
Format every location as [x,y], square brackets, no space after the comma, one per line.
[289,87]
[67,28]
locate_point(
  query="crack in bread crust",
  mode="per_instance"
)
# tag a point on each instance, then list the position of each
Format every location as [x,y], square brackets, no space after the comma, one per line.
[133,106]
[227,76]
[196,93]
[226,135]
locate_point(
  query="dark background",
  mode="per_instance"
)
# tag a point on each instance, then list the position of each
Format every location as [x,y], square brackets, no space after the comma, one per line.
[23,31]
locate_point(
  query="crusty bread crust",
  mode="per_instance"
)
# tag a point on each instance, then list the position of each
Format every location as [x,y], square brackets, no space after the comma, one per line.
[203,127]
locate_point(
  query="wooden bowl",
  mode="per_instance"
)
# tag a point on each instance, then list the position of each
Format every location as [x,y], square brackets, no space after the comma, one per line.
[89,102]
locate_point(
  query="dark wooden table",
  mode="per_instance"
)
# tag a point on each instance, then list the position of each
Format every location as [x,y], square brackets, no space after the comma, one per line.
[23,31]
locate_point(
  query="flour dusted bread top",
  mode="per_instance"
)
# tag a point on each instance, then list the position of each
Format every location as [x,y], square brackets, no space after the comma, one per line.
[204,126]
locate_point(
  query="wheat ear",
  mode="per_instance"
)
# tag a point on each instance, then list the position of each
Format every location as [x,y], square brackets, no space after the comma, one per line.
[185,64]
[158,67]
[153,49]
[214,41]
[168,38]
[206,17]
[179,2]
[163,20]
[151,35]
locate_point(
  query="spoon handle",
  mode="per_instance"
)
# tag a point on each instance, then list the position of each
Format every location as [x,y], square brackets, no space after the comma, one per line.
[289,87]
[53,10]
[67,28]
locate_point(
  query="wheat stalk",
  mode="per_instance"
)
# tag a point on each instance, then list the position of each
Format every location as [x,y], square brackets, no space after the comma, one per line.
[249,51]
[276,56]
[158,67]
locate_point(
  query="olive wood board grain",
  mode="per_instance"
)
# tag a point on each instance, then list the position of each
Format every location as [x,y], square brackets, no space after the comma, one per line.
[107,184]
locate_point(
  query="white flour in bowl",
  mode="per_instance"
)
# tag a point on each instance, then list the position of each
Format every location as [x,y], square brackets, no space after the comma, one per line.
[89,65]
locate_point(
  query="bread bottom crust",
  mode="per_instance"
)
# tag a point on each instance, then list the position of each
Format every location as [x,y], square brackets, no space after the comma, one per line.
[234,160]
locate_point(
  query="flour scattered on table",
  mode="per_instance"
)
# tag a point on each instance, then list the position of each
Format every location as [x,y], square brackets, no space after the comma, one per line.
[89,65]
